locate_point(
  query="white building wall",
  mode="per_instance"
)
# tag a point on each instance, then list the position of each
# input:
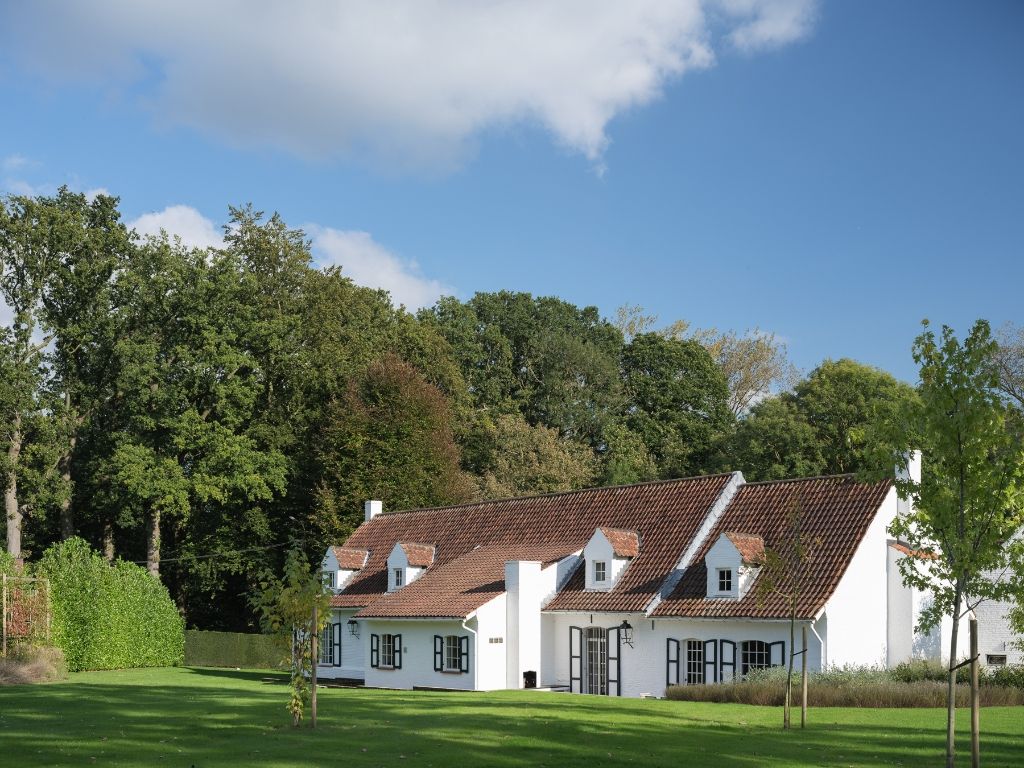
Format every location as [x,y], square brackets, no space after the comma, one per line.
[525,591]
[417,655]
[491,665]
[994,634]
[858,609]
[644,666]
[899,612]
[351,650]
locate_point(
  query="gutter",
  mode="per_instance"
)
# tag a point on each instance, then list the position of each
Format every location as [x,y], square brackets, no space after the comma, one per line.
[476,652]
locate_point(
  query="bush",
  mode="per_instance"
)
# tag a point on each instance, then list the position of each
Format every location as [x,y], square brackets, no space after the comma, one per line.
[234,649]
[32,664]
[109,616]
[916,684]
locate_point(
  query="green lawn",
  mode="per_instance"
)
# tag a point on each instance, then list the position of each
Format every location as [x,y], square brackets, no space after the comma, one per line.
[212,717]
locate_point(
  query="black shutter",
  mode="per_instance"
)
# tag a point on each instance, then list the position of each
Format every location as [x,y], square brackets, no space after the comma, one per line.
[710,661]
[463,654]
[337,644]
[374,651]
[575,660]
[614,665]
[671,662]
[728,661]
[397,640]
[438,653]
[772,655]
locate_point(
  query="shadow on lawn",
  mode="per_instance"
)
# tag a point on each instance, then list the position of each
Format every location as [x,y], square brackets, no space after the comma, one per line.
[218,717]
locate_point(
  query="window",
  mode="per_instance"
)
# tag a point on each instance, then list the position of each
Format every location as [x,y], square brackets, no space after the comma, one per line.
[451,653]
[398,577]
[694,662]
[600,570]
[387,650]
[995,660]
[328,579]
[327,646]
[754,656]
[725,579]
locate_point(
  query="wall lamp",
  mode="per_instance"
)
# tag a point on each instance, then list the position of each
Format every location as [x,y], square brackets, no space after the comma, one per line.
[353,627]
[627,632]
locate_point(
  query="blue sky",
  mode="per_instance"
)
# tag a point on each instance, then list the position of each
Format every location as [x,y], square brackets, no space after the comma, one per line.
[831,172]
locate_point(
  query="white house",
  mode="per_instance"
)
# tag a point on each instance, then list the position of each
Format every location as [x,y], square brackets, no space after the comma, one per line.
[620,591]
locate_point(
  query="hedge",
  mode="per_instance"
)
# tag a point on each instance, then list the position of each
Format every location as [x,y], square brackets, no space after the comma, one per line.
[234,649]
[109,616]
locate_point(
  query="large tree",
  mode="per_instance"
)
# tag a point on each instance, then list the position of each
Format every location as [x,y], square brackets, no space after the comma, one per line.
[969,502]
[678,402]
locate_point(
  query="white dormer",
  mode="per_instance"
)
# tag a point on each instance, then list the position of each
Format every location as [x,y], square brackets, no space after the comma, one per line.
[340,564]
[407,562]
[606,556]
[733,563]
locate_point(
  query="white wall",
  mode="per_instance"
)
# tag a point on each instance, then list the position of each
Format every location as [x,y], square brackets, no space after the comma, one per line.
[351,650]
[525,591]
[643,669]
[899,612]
[491,666]
[417,655]
[995,635]
[858,609]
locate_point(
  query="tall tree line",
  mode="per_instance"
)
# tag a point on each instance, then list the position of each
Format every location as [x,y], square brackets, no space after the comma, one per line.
[198,409]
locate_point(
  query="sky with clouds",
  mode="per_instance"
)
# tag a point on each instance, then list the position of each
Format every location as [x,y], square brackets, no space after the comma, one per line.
[832,172]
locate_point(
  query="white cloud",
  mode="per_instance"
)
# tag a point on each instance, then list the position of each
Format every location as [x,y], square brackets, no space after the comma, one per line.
[184,221]
[14,162]
[408,81]
[369,263]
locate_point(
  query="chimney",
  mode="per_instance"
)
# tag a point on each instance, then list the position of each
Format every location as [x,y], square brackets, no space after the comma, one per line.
[371,509]
[911,471]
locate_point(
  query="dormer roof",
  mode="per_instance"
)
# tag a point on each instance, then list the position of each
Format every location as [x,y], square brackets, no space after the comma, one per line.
[624,543]
[749,545]
[418,555]
[350,558]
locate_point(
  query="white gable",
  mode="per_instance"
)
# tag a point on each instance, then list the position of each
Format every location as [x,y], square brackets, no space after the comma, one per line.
[599,559]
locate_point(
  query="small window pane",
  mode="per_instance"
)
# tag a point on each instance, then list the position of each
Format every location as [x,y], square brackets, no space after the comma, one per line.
[451,653]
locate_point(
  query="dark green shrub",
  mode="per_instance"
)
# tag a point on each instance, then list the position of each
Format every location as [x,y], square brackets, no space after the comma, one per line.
[234,649]
[109,616]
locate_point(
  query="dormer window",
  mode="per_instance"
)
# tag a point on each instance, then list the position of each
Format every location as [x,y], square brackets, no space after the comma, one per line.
[328,578]
[732,564]
[725,579]
[407,562]
[606,556]
[340,565]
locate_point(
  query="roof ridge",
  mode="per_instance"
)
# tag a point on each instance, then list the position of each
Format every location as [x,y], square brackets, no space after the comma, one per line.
[835,476]
[553,494]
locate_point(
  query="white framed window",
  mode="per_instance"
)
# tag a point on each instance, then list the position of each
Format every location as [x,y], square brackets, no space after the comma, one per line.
[387,651]
[451,653]
[995,660]
[600,571]
[754,656]
[694,662]
[725,579]
[399,577]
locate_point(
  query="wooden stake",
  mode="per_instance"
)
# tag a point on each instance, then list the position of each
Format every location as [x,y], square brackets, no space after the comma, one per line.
[975,697]
[3,651]
[315,654]
[803,680]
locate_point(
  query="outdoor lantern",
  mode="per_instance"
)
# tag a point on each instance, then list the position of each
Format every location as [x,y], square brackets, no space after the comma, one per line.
[353,627]
[627,633]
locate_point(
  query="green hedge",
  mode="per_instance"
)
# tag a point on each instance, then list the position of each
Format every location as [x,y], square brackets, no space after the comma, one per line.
[109,616]
[234,649]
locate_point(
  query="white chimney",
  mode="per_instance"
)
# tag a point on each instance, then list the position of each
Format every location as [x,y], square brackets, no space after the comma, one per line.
[371,509]
[910,471]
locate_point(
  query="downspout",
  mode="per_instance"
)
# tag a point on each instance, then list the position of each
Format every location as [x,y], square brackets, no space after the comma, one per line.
[476,652]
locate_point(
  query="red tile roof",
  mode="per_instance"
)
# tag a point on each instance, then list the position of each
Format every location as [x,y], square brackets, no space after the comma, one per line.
[418,555]
[624,543]
[350,559]
[836,514]
[666,514]
[920,554]
[460,586]
[749,545]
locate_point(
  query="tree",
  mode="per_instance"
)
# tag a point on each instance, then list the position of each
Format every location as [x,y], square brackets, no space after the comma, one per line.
[678,402]
[524,460]
[788,573]
[389,437]
[297,605]
[969,502]
[1009,359]
[820,427]
[753,364]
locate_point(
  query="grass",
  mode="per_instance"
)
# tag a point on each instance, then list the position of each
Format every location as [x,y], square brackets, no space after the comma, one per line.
[218,717]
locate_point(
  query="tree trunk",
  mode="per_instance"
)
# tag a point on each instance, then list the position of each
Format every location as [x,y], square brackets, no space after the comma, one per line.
[786,710]
[153,544]
[11,508]
[975,698]
[108,541]
[803,679]
[67,515]
[951,685]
